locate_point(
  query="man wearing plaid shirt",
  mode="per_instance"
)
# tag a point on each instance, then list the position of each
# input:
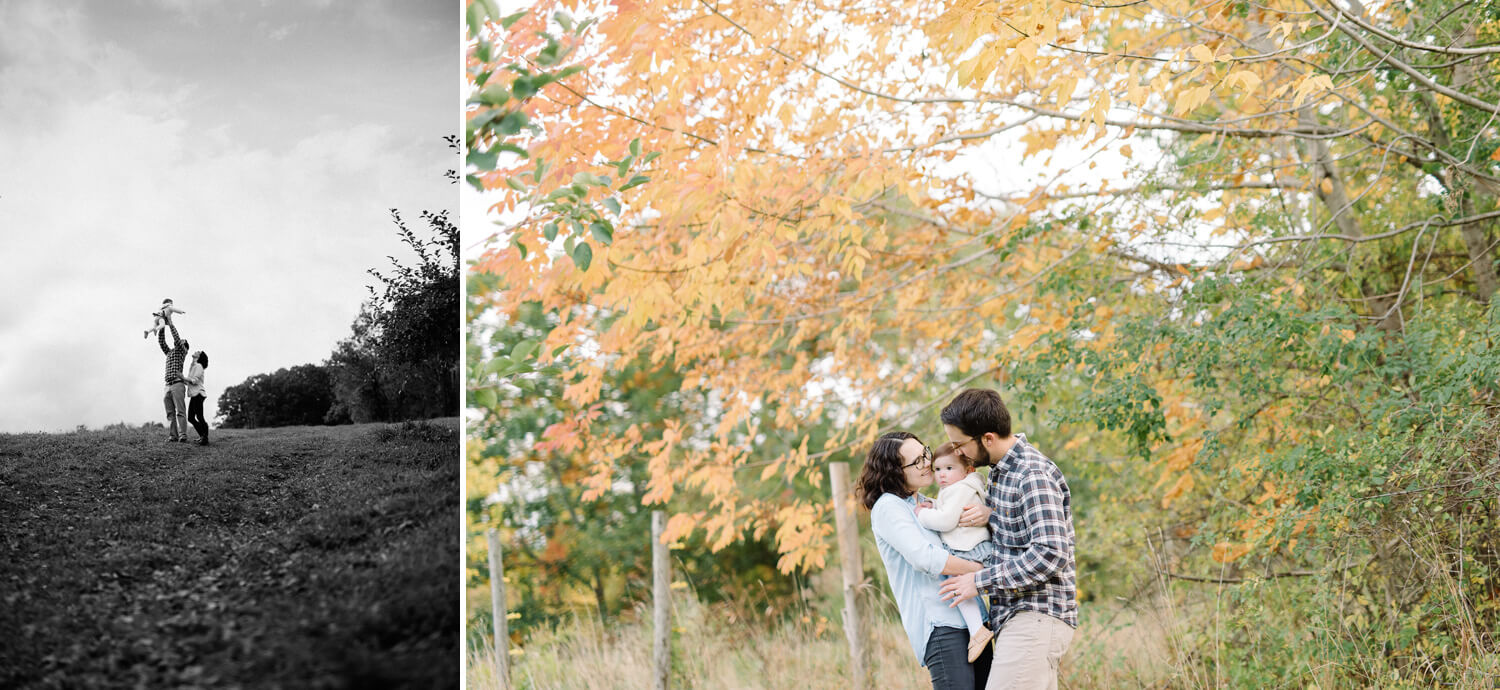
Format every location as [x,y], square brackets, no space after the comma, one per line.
[172,397]
[1031,585]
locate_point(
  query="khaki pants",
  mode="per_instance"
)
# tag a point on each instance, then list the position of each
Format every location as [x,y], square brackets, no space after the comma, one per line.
[1028,650]
[176,409]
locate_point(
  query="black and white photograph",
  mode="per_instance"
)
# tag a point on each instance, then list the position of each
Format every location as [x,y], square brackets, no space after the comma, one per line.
[229,344]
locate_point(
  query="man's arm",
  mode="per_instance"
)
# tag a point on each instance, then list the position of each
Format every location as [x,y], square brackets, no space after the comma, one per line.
[1047,527]
[161,337]
[176,341]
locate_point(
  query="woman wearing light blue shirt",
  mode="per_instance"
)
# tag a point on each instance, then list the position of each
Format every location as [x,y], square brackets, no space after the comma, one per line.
[897,467]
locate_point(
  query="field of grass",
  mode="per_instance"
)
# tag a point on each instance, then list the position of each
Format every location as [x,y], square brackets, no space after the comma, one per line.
[719,646]
[310,557]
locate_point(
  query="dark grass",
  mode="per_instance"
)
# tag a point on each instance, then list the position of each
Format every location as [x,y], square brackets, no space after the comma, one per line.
[301,557]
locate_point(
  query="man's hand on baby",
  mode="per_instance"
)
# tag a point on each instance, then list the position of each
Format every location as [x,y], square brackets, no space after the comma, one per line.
[974,516]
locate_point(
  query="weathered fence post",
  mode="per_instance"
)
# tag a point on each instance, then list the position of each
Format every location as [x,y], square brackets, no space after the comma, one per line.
[661,593]
[853,572]
[497,607]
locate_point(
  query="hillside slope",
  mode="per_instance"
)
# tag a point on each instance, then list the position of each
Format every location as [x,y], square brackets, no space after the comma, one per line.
[294,557]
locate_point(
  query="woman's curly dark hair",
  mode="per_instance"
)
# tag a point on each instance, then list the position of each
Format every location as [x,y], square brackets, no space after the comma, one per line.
[882,473]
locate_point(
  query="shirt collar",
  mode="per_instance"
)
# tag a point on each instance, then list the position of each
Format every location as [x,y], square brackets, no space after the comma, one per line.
[1011,456]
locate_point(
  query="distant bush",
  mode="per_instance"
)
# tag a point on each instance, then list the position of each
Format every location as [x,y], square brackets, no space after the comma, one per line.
[421,431]
[301,395]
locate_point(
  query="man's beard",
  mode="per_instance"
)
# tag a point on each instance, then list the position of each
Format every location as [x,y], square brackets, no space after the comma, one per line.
[983,459]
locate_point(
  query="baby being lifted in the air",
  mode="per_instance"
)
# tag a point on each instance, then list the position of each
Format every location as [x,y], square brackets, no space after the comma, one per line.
[161,317]
[961,486]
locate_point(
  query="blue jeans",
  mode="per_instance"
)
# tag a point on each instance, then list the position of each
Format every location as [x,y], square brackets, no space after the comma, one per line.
[948,661]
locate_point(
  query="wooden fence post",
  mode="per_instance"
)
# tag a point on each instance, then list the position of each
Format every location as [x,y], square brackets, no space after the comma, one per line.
[497,607]
[661,592]
[853,572]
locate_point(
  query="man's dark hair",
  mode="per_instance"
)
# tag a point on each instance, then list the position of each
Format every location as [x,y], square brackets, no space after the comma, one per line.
[978,411]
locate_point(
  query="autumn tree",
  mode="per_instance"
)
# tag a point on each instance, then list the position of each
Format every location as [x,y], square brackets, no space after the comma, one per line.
[1242,254]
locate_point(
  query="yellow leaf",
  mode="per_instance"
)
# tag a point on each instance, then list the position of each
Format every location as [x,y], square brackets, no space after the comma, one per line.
[1226,552]
[1201,53]
[1346,335]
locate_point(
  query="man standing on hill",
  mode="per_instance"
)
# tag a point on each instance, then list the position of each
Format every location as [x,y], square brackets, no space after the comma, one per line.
[173,398]
[1031,584]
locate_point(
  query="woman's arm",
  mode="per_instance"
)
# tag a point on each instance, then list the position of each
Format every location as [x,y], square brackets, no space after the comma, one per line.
[893,522]
[959,566]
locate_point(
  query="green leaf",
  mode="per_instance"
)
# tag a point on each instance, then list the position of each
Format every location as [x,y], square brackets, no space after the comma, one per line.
[484,399]
[482,160]
[515,184]
[512,123]
[635,146]
[602,231]
[523,349]
[482,50]
[583,255]
[613,205]
[564,20]
[483,119]
[569,71]
[475,19]
[557,351]
[494,95]
[512,148]
[636,181]
[522,88]
[473,180]
[522,248]
[549,231]
[650,157]
[508,20]
[547,56]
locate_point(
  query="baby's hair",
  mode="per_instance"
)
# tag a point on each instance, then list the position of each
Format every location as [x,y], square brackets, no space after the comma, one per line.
[950,449]
[166,300]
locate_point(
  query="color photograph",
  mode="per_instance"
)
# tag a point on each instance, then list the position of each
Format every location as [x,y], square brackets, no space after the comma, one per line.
[982,344]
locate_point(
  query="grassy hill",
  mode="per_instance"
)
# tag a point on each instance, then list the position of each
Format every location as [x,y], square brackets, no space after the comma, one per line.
[321,557]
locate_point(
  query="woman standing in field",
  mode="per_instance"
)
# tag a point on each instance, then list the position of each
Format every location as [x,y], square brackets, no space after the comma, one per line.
[897,467]
[196,394]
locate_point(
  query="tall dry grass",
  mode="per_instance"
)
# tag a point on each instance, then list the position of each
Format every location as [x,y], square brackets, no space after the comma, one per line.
[1115,647]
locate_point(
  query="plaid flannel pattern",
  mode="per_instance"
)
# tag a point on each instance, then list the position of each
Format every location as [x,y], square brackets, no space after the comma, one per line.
[175,355]
[1032,524]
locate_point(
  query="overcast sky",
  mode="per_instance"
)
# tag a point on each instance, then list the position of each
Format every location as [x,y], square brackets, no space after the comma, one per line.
[238,157]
